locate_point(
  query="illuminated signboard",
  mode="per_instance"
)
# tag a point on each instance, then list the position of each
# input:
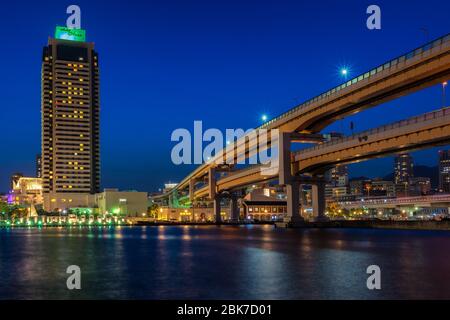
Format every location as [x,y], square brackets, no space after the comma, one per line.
[70,34]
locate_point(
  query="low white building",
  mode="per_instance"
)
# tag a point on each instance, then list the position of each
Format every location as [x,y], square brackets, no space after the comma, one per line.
[128,203]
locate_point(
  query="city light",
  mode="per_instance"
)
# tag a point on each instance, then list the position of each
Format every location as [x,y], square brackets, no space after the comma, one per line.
[344,72]
[444,86]
[264,118]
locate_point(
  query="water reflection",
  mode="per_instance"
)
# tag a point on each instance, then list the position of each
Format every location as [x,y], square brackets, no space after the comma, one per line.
[201,262]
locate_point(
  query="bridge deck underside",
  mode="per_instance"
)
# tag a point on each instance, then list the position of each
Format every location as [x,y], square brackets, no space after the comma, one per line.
[423,134]
[424,131]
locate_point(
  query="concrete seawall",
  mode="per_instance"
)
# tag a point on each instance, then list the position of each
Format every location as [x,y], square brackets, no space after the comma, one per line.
[374,224]
[404,225]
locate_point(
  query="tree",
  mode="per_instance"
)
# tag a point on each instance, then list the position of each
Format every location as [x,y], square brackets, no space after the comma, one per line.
[4,207]
[335,210]
[153,210]
[4,210]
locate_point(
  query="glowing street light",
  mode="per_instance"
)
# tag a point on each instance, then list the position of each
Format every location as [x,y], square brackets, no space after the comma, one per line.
[264,118]
[444,85]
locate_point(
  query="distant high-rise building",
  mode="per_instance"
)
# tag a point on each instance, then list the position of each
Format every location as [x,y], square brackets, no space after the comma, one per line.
[337,186]
[338,176]
[38,166]
[404,168]
[444,171]
[403,172]
[70,123]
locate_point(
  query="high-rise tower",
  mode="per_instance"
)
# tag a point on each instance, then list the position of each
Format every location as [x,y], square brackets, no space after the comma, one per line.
[403,172]
[403,168]
[70,121]
[444,171]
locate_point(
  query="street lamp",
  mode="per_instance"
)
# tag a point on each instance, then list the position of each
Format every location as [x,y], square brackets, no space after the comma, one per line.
[444,85]
[264,117]
[344,72]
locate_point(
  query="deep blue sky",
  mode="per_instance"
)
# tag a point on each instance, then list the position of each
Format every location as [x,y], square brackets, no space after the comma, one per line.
[167,63]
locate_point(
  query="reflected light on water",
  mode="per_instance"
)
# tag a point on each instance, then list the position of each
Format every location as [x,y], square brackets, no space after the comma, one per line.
[227,262]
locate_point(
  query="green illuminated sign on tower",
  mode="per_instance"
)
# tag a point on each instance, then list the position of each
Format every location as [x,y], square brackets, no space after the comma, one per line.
[70,34]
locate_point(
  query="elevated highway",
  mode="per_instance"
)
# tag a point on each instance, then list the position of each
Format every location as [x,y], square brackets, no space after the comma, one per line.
[418,69]
[427,130]
[424,131]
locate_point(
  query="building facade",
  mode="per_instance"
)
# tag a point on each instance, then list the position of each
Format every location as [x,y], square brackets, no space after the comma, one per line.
[26,191]
[126,203]
[14,179]
[403,168]
[38,166]
[70,124]
[360,187]
[338,176]
[444,171]
[336,192]
[337,183]
[382,188]
[403,172]
[420,186]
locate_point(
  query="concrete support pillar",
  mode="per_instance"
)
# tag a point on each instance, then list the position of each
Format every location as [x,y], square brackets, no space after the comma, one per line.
[173,199]
[293,201]
[191,189]
[234,208]
[217,209]
[212,183]
[193,211]
[318,200]
[284,154]
[302,197]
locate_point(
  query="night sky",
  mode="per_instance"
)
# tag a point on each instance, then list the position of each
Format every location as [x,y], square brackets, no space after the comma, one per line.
[164,64]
